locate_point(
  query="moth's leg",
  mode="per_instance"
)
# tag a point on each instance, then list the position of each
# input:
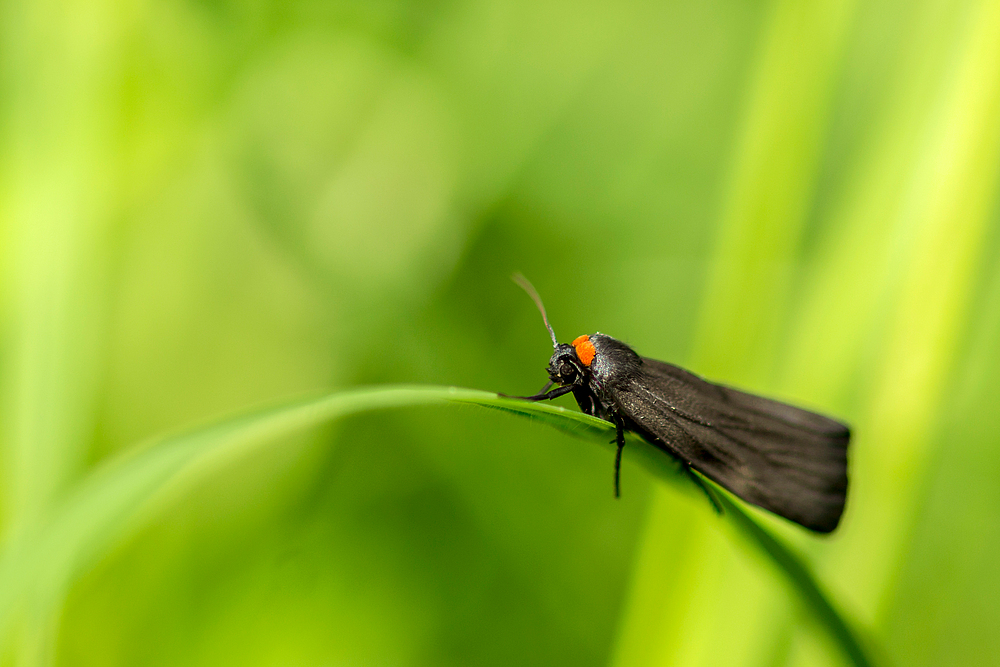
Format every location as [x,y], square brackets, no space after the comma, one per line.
[555,393]
[620,439]
[700,483]
[586,400]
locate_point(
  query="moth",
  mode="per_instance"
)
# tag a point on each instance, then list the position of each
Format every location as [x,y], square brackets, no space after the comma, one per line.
[788,460]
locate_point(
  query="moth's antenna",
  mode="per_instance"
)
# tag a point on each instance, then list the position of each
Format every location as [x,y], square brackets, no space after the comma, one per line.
[527,287]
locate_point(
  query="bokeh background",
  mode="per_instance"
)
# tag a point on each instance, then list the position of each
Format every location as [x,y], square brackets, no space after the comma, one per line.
[207,206]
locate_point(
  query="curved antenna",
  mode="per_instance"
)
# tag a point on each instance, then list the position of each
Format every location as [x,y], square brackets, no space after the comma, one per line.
[529,288]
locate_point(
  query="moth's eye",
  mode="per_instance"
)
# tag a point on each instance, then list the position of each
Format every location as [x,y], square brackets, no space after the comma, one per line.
[567,370]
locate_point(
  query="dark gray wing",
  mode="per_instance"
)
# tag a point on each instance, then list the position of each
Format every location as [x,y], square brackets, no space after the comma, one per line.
[785,459]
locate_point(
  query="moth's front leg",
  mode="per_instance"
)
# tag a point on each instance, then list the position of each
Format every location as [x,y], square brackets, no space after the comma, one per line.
[586,400]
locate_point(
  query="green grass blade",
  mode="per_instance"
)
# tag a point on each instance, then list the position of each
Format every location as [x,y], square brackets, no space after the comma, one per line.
[800,577]
[121,495]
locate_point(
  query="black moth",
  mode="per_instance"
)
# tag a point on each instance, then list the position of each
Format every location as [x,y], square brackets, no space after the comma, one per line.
[785,459]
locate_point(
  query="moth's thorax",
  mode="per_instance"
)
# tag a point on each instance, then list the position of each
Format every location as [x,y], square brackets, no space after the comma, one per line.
[614,361]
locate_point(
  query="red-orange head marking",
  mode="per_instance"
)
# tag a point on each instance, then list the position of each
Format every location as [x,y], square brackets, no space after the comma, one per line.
[584,349]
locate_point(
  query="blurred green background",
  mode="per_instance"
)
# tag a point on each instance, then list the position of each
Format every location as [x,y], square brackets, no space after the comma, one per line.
[207,206]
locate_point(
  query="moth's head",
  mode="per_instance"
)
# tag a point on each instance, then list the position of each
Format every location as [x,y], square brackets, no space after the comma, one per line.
[570,363]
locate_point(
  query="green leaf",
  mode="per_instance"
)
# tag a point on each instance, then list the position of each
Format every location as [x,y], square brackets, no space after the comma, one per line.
[37,567]
[801,579]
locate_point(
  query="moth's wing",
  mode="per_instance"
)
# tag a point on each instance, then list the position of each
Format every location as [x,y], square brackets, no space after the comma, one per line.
[785,459]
